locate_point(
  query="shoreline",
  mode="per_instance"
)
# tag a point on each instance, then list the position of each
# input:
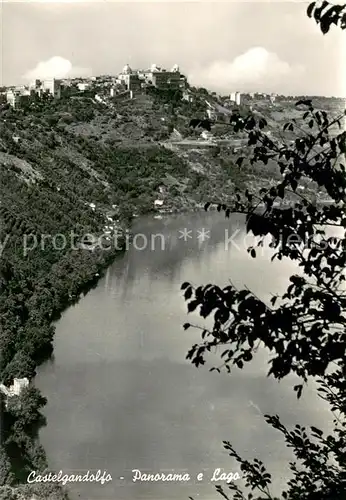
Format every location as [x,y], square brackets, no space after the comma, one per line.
[102,261]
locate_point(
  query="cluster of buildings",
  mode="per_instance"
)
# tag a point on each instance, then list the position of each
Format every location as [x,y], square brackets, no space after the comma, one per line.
[128,80]
[134,80]
[19,97]
[263,96]
[156,76]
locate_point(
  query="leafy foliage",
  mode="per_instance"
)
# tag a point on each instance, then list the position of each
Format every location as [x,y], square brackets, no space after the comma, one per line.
[327,14]
[304,328]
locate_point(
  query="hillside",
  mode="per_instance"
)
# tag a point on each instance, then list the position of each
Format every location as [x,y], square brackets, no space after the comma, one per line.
[68,169]
[75,167]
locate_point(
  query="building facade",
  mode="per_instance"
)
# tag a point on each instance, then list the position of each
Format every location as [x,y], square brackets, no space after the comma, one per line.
[16,388]
[157,76]
[166,79]
[53,87]
[124,76]
[18,98]
[50,86]
[235,97]
[134,82]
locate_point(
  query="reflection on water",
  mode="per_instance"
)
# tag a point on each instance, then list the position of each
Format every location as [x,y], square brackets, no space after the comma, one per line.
[121,395]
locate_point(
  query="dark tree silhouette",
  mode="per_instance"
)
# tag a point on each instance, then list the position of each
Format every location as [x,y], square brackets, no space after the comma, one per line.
[303,329]
[327,14]
[205,124]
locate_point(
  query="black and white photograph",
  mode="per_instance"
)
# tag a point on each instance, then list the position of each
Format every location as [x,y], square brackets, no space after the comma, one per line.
[172,250]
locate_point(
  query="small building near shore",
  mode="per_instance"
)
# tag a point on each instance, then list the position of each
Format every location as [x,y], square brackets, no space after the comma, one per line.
[18,385]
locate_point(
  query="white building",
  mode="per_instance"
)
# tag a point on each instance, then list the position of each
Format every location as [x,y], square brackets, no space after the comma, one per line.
[18,385]
[124,76]
[235,97]
[16,388]
[83,86]
[147,75]
[12,98]
[17,97]
[155,75]
[53,86]
[155,69]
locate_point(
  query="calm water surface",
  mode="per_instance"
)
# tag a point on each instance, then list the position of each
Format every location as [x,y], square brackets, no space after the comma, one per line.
[121,395]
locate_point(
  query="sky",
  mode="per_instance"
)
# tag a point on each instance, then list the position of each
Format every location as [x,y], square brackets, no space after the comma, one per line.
[224,46]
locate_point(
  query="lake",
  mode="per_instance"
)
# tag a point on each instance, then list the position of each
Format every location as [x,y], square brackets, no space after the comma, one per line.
[121,395]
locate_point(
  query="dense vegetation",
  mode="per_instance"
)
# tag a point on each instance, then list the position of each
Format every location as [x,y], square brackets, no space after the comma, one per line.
[58,185]
[304,328]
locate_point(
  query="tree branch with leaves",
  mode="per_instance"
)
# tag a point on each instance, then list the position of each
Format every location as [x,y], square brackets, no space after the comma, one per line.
[304,328]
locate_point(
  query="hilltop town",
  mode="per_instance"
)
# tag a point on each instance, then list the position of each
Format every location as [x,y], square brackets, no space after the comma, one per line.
[105,86]
[142,108]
